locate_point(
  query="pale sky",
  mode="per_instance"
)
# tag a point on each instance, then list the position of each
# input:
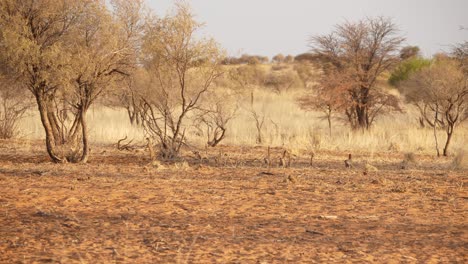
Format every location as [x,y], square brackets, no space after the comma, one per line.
[269,27]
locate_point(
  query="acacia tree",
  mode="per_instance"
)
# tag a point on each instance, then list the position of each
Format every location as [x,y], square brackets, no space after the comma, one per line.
[34,47]
[66,53]
[103,53]
[181,70]
[360,52]
[441,89]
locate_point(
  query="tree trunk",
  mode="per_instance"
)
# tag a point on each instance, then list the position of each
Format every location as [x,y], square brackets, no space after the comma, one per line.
[217,138]
[259,136]
[84,134]
[50,135]
[59,139]
[449,138]
[421,122]
[63,145]
[435,132]
[362,118]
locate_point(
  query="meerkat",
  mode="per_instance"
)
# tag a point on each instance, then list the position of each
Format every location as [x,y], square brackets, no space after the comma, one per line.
[348,163]
[312,156]
[266,160]
[198,156]
[291,179]
[221,159]
[150,148]
[285,160]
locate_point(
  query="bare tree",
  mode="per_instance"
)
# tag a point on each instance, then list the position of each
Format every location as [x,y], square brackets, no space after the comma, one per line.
[359,52]
[259,118]
[216,112]
[440,90]
[181,71]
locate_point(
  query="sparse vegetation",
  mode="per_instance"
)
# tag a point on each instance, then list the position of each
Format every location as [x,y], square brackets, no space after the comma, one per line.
[181,70]
[189,154]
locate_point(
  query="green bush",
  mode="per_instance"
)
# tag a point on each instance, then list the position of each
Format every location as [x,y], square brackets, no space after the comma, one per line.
[403,71]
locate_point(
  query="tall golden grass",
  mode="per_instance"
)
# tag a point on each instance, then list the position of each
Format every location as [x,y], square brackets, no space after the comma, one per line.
[286,124]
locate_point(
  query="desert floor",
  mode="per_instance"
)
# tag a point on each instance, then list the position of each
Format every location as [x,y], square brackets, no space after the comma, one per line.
[120,208]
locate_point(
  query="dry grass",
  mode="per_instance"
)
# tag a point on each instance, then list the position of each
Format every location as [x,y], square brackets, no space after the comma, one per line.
[285,125]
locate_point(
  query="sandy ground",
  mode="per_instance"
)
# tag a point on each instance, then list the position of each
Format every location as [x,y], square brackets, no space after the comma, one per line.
[121,209]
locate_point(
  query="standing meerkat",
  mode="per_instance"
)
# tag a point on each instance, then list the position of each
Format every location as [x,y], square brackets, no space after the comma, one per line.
[285,160]
[149,145]
[312,156]
[349,162]
[267,160]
